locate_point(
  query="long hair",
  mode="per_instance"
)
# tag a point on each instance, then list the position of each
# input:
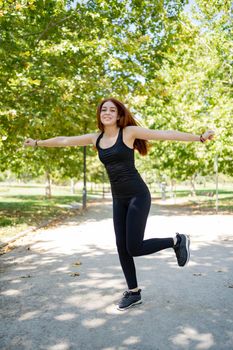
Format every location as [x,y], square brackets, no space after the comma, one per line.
[126,119]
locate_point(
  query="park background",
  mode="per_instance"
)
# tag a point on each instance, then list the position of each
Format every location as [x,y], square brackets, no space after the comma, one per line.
[169,61]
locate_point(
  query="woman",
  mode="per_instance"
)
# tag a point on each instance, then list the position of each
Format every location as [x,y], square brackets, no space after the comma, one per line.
[119,136]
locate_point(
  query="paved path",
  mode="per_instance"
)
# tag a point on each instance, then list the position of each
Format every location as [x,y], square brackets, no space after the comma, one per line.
[49,301]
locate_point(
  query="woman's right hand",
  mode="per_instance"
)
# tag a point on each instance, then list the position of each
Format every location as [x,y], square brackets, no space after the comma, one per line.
[29,143]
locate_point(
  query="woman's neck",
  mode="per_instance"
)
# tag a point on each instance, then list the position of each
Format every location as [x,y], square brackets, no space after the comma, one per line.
[111,131]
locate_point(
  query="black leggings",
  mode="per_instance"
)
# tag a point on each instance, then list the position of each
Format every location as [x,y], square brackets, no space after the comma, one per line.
[129,218]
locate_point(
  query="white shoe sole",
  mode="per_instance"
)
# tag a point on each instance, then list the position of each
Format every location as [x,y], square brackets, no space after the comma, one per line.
[188,249]
[128,307]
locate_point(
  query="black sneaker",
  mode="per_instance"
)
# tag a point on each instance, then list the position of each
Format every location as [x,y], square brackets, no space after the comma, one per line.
[182,249]
[129,299]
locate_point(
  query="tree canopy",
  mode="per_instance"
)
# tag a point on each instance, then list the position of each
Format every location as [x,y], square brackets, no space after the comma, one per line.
[60,58]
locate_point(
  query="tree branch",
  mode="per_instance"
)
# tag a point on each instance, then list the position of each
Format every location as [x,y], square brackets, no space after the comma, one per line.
[49,26]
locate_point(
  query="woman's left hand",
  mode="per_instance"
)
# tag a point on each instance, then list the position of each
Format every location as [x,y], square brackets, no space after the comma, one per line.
[208,135]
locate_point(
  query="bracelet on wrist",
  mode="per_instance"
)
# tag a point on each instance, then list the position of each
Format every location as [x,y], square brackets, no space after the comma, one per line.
[202,138]
[36,145]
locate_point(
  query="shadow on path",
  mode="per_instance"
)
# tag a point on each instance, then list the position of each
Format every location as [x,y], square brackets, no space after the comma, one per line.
[59,289]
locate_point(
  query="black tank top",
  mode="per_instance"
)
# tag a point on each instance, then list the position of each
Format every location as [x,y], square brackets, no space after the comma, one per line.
[119,162]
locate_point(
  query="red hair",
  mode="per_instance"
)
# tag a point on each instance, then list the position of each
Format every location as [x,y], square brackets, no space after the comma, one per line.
[126,119]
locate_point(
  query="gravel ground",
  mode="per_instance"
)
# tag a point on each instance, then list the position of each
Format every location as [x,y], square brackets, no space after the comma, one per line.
[60,286]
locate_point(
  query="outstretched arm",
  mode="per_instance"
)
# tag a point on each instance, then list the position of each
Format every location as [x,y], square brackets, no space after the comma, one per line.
[63,141]
[138,132]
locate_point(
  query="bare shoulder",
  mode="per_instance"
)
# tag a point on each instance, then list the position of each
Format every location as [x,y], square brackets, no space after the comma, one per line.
[129,135]
[94,137]
[139,132]
[131,131]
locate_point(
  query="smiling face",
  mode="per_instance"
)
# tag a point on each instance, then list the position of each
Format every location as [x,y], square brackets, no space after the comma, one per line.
[109,114]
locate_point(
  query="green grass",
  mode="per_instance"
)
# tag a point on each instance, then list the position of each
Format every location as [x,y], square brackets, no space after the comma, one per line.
[225,203]
[205,200]
[22,207]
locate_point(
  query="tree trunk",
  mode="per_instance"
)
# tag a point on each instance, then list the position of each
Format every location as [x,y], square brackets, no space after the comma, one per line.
[163,191]
[72,186]
[173,189]
[84,177]
[193,189]
[48,185]
[103,191]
